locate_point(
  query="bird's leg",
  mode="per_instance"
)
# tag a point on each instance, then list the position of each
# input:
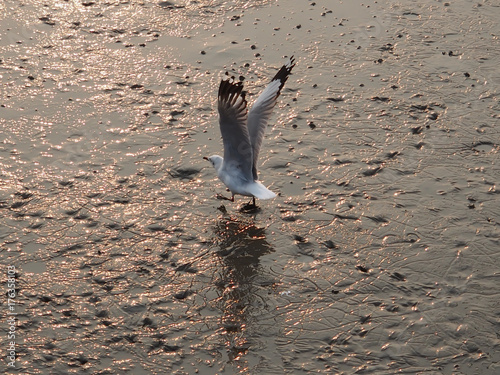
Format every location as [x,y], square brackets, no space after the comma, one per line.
[250,207]
[232,198]
[252,204]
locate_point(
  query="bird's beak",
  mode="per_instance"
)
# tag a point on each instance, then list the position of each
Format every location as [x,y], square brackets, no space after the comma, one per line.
[205,158]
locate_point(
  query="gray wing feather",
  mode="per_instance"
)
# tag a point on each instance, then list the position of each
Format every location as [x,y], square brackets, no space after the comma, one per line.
[232,107]
[262,109]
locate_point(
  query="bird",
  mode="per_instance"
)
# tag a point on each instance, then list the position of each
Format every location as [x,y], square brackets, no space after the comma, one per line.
[243,132]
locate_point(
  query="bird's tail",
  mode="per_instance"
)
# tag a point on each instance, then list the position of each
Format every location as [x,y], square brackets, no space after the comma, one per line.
[260,191]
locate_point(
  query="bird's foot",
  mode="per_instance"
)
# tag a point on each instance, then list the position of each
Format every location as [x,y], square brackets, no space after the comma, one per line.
[250,207]
[219,196]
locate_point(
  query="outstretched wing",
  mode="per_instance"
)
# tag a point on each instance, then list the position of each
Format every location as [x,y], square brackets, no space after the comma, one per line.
[233,127]
[261,111]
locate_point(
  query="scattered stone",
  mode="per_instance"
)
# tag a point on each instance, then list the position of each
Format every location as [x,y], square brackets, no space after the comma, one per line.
[380,99]
[371,172]
[156,227]
[298,238]
[171,348]
[182,295]
[397,276]
[169,5]
[392,155]
[417,130]
[329,244]
[362,268]
[186,268]
[46,20]
[365,319]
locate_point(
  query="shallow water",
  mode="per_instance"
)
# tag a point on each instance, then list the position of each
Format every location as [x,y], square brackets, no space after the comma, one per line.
[380,254]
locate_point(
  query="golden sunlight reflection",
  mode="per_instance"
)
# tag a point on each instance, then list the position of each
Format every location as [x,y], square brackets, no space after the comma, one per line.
[382,150]
[241,244]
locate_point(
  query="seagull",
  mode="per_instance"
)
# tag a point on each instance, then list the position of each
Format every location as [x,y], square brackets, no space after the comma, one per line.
[242,134]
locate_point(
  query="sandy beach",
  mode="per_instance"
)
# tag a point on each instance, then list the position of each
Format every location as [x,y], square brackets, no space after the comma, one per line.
[380,254]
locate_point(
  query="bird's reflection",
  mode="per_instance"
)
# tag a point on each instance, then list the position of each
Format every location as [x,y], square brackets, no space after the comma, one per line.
[241,243]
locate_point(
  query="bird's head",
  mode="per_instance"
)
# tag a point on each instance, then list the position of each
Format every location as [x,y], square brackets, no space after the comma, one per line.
[216,161]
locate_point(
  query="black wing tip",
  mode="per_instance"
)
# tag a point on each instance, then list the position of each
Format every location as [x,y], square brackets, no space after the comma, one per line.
[285,71]
[229,86]
[283,74]
[230,90]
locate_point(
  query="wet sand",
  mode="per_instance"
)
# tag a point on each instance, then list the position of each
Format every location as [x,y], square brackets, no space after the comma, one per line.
[379,256]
